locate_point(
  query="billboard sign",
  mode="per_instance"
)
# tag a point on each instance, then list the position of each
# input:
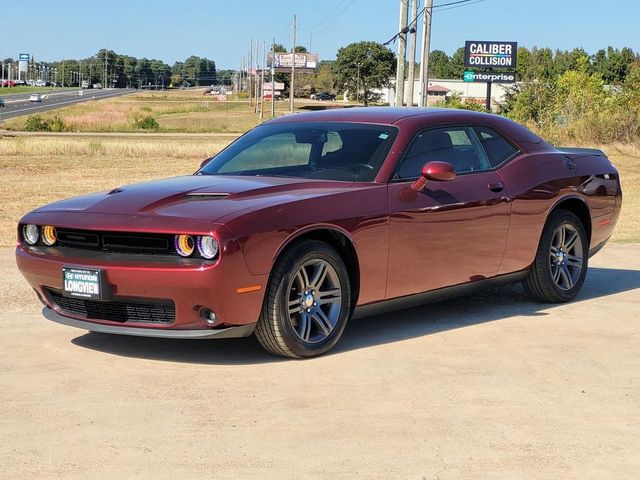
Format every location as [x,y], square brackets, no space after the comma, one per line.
[304,62]
[23,62]
[278,85]
[486,54]
[493,77]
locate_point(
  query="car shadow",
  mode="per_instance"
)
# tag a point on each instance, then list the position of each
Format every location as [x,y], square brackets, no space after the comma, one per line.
[487,306]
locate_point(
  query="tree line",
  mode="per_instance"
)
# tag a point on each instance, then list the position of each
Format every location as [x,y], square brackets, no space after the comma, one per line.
[543,63]
[127,71]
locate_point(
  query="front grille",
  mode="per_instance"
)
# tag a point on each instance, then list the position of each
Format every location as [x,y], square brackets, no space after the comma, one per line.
[117,242]
[118,310]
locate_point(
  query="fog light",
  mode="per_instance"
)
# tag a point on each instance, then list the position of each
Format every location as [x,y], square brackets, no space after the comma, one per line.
[207,246]
[184,245]
[30,234]
[208,317]
[49,235]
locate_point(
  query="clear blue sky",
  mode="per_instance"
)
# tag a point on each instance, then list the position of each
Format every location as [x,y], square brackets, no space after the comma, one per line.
[172,30]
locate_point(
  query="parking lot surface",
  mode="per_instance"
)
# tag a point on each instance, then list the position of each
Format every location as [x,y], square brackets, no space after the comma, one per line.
[488,386]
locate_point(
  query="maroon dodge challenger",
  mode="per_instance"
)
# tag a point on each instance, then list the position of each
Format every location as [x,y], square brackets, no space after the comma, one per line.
[314,218]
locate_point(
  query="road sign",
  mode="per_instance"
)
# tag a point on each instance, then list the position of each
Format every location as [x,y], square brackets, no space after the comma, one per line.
[487,54]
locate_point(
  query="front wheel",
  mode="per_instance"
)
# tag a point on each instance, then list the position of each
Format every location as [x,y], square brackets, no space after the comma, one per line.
[307,303]
[561,262]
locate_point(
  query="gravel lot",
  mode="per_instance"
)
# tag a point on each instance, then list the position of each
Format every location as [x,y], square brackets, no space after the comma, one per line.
[491,386]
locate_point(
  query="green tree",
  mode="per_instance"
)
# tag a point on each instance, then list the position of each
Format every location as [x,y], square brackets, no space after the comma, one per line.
[456,65]
[363,66]
[439,64]
[324,80]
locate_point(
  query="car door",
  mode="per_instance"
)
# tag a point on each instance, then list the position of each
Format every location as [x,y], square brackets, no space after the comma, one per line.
[451,232]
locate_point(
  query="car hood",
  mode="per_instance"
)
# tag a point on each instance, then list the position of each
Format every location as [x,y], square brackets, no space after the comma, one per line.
[201,198]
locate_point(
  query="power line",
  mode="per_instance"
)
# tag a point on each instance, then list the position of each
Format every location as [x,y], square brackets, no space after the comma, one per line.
[412,24]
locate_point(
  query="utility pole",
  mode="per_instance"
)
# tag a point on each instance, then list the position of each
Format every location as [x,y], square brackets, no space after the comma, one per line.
[249,73]
[424,64]
[413,33]
[255,77]
[402,54]
[106,52]
[293,67]
[273,78]
[264,64]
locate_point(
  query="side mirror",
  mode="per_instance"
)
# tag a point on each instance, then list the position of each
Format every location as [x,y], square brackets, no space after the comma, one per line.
[436,171]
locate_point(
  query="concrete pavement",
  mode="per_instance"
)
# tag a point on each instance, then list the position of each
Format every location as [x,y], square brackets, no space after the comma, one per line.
[489,386]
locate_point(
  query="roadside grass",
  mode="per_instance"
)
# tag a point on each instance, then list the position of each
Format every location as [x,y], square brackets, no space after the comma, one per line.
[39,170]
[626,159]
[8,91]
[36,170]
[175,111]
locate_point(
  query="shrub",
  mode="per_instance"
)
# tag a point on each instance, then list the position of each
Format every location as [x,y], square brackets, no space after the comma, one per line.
[35,123]
[147,123]
[57,125]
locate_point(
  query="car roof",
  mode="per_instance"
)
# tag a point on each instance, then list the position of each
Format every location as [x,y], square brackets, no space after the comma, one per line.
[383,115]
[415,116]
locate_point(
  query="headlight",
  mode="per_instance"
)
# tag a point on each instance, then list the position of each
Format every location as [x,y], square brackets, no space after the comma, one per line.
[49,235]
[30,234]
[184,245]
[208,247]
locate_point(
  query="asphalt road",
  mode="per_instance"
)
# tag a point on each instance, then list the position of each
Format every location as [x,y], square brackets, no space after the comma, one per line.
[489,386]
[17,105]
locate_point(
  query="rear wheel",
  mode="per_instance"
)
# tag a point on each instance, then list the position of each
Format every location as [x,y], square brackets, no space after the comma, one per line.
[307,302]
[561,262]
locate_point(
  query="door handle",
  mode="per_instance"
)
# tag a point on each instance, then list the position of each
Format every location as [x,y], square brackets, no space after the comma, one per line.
[496,187]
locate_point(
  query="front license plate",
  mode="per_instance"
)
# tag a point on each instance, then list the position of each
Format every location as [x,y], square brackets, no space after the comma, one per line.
[81,282]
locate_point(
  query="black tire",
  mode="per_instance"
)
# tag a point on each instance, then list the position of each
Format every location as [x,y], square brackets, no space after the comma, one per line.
[545,282]
[276,330]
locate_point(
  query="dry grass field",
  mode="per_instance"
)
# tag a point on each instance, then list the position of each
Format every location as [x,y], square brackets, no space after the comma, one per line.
[36,170]
[175,111]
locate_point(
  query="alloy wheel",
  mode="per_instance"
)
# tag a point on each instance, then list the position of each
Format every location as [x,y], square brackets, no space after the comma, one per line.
[565,256]
[315,300]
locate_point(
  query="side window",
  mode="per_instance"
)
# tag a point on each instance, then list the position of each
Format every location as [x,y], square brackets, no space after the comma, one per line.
[497,148]
[456,145]
[275,151]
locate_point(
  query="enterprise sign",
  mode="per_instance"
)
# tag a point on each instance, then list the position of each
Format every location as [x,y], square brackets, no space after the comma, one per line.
[484,54]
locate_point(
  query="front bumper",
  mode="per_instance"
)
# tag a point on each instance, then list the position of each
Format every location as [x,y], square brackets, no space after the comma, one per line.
[191,286]
[230,332]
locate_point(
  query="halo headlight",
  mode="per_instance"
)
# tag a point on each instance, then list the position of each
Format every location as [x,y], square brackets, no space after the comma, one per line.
[31,233]
[208,246]
[49,235]
[185,245]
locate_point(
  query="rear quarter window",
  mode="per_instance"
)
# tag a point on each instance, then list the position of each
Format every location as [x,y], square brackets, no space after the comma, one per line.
[497,148]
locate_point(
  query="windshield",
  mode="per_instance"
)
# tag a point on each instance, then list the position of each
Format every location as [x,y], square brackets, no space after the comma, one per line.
[350,152]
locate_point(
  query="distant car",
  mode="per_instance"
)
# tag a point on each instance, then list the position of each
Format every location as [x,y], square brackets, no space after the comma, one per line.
[35,97]
[85,84]
[8,83]
[323,96]
[41,83]
[97,86]
[1,103]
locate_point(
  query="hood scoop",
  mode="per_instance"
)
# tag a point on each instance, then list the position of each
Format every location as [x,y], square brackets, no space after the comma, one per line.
[207,195]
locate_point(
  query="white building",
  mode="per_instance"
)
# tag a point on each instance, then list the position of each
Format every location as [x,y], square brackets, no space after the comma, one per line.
[440,89]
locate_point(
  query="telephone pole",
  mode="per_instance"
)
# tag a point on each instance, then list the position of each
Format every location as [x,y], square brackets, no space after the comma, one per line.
[249,74]
[273,78]
[424,64]
[264,64]
[293,66]
[413,33]
[402,53]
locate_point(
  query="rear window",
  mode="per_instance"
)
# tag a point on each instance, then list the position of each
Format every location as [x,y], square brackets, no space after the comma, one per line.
[497,148]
